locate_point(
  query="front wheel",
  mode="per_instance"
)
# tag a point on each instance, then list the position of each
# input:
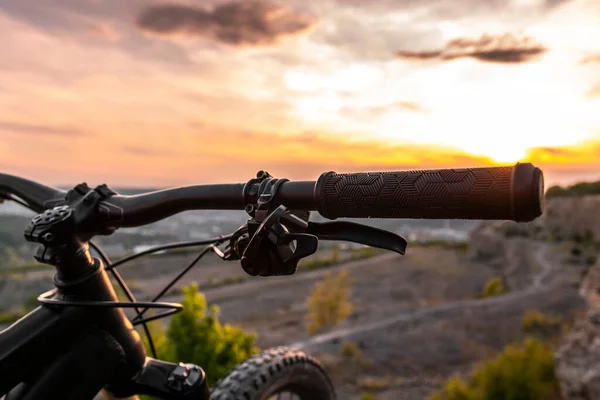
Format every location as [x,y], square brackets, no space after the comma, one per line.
[278,373]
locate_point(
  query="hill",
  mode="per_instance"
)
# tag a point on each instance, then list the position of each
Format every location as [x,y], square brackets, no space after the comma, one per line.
[576,190]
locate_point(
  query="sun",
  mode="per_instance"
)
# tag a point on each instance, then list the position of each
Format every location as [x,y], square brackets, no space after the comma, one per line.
[506,154]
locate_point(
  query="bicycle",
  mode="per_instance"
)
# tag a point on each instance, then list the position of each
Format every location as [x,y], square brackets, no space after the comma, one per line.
[79,341]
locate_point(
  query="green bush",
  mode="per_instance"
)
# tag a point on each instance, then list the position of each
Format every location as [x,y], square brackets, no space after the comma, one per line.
[493,287]
[8,317]
[31,302]
[368,396]
[365,252]
[536,322]
[350,350]
[520,372]
[328,302]
[578,189]
[197,336]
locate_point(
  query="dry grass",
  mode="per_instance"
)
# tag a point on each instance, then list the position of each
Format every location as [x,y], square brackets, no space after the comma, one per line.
[328,303]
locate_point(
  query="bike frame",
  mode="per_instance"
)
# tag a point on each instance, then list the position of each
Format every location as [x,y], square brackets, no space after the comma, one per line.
[75,356]
[76,362]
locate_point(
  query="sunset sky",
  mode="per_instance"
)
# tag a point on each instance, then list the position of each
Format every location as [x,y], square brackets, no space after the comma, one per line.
[150,93]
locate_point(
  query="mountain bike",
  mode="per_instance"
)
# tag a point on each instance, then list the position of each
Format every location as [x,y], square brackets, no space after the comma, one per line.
[78,341]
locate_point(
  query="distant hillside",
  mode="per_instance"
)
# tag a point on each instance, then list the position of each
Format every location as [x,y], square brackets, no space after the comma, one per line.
[569,218]
[578,189]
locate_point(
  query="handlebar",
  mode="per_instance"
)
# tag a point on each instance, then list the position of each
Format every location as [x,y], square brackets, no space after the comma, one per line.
[507,193]
[39,197]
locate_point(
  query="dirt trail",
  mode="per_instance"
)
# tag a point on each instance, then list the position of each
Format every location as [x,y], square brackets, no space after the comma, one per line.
[542,282]
[263,284]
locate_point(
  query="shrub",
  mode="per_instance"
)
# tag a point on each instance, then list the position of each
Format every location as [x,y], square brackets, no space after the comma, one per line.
[536,322]
[364,252]
[350,350]
[578,189]
[8,317]
[351,353]
[197,336]
[31,302]
[375,384]
[315,262]
[494,287]
[335,254]
[328,302]
[367,396]
[520,372]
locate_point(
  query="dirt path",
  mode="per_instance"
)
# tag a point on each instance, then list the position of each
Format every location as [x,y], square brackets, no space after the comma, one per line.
[541,282]
[263,284]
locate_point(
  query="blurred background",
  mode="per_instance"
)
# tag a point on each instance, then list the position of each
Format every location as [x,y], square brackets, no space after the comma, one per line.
[144,95]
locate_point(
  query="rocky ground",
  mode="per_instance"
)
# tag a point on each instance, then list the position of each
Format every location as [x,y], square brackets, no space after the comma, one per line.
[417,319]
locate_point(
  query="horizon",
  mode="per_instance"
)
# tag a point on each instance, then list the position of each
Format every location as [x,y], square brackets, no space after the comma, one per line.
[133,186]
[153,94]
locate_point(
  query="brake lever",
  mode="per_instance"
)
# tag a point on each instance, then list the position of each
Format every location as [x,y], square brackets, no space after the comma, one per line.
[357,233]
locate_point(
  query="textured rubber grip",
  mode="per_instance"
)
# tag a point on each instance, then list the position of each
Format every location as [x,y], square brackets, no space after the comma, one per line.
[504,193]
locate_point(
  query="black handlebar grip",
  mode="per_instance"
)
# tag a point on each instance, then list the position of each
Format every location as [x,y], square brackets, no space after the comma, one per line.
[504,193]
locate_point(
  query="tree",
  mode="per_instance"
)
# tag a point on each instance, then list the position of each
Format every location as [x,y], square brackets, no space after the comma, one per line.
[520,372]
[195,335]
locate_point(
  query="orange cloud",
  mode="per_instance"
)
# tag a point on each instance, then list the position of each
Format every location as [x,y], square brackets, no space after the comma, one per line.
[586,154]
[593,92]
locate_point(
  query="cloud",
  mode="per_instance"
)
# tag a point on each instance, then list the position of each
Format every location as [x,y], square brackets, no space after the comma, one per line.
[30,129]
[371,113]
[104,30]
[142,151]
[239,23]
[507,48]
[412,106]
[594,92]
[593,59]
[465,8]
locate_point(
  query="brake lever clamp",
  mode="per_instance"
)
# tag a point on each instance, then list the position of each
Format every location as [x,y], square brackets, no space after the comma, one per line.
[273,249]
[274,239]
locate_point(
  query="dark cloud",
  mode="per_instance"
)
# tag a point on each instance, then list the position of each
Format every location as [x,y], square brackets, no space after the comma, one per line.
[507,48]
[28,129]
[244,22]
